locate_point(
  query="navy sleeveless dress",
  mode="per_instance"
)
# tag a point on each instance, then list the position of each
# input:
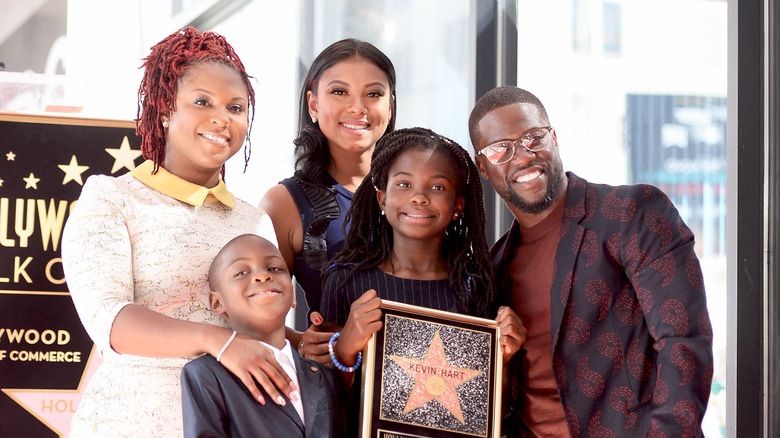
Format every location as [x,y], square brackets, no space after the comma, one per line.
[323,237]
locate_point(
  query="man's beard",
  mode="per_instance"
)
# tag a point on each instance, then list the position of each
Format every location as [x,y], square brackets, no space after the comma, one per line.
[555,180]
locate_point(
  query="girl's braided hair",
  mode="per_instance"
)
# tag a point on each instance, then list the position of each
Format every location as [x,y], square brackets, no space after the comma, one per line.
[370,238]
[164,67]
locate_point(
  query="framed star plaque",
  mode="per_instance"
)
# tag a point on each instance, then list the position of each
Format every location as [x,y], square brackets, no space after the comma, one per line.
[430,373]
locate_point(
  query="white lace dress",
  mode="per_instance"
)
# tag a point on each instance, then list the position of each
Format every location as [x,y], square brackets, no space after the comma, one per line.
[128,243]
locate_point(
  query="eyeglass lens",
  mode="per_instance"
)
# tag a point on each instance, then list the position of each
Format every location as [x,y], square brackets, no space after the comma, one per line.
[534,140]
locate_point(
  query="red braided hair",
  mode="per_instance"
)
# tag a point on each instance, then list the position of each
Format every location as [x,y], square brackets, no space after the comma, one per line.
[163,68]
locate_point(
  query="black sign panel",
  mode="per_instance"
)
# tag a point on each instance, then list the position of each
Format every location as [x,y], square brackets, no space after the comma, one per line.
[45,354]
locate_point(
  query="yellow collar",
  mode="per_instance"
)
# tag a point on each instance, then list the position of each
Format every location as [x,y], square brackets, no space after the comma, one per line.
[169,184]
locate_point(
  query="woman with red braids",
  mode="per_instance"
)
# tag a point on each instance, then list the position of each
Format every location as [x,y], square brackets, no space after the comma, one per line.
[137,248]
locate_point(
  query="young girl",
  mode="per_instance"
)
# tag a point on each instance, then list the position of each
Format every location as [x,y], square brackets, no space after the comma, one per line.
[137,248]
[418,238]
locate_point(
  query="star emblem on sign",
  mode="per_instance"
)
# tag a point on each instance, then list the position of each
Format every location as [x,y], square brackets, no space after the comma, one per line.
[435,379]
[73,171]
[124,157]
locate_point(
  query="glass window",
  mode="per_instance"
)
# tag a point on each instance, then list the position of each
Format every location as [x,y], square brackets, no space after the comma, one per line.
[580,26]
[32,38]
[612,28]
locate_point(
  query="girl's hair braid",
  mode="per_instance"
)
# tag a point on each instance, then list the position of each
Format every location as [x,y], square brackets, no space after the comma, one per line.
[311,146]
[370,238]
[164,67]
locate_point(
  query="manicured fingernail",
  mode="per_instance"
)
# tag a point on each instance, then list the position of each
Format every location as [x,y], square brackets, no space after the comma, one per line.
[280,401]
[261,400]
[294,396]
[318,320]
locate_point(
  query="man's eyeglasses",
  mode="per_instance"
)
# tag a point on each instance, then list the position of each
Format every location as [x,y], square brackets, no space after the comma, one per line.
[533,140]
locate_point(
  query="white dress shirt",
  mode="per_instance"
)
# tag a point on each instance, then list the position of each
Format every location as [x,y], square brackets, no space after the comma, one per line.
[285,359]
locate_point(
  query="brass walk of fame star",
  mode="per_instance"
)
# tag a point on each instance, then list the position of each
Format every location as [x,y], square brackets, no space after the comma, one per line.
[435,379]
[124,156]
[72,171]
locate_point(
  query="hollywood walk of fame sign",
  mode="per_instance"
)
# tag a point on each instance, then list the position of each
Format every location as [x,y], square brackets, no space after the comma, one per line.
[46,356]
[430,373]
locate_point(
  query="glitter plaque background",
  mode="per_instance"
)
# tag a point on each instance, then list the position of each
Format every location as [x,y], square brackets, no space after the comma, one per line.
[464,348]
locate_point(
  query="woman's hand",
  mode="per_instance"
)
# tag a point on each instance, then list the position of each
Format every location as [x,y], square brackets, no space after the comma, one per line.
[254,363]
[512,332]
[364,319]
[314,343]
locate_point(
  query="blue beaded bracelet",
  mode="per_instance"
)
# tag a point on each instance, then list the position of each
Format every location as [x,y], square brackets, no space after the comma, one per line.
[336,362]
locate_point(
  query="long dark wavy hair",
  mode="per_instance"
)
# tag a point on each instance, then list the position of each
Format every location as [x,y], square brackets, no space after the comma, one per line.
[311,147]
[164,67]
[370,238]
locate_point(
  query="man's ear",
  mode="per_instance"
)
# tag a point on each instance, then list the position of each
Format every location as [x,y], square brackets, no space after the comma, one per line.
[215,302]
[481,167]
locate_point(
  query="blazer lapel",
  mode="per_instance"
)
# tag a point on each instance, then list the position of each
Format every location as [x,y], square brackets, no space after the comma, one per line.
[568,251]
[501,254]
[308,382]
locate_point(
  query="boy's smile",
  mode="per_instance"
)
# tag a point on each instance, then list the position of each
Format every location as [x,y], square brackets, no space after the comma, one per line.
[264,291]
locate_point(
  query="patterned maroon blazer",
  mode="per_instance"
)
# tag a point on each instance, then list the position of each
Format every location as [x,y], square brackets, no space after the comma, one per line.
[631,336]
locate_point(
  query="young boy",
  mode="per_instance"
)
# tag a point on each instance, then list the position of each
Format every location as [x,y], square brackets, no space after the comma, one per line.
[252,289]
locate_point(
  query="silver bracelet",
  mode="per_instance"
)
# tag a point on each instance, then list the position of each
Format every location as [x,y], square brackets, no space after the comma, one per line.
[224,347]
